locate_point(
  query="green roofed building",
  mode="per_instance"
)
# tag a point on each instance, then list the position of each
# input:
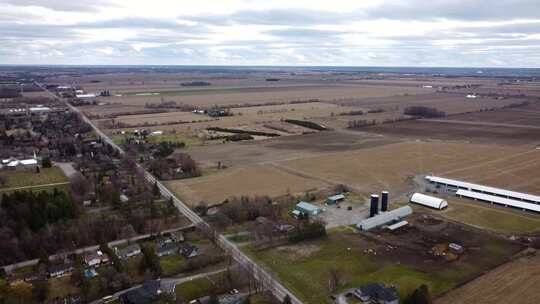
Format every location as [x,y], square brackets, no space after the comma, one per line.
[307,208]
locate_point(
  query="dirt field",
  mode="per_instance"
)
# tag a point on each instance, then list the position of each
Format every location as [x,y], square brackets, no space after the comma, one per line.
[514,282]
[529,115]
[393,166]
[250,181]
[473,133]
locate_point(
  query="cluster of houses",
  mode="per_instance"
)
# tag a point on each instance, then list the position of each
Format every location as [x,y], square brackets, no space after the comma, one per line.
[172,244]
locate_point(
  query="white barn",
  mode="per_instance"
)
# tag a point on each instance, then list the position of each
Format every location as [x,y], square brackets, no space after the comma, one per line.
[384,218]
[429,201]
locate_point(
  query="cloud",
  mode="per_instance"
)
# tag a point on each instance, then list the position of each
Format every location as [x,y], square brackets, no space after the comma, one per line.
[255,32]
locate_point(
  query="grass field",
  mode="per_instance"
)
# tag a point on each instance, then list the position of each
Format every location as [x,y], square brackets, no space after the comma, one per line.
[172,264]
[489,217]
[249,180]
[515,282]
[16,179]
[193,289]
[304,267]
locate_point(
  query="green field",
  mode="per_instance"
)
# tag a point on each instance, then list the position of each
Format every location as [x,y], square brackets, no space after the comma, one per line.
[176,138]
[307,274]
[193,289]
[172,264]
[17,179]
[490,217]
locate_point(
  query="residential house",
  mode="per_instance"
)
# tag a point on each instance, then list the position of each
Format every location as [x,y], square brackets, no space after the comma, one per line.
[376,293]
[95,259]
[166,249]
[146,294]
[60,270]
[128,251]
[189,251]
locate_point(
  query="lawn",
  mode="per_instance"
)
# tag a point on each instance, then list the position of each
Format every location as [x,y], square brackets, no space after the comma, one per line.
[304,267]
[172,264]
[490,217]
[176,138]
[193,289]
[61,287]
[16,179]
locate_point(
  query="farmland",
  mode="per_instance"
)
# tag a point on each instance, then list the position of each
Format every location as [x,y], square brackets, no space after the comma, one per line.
[378,168]
[250,180]
[304,267]
[505,284]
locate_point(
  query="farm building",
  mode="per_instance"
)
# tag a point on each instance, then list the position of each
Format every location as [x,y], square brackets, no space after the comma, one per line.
[334,199]
[306,209]
[507,202]
[428,201]
[384,218]
[451,183]
[377,293]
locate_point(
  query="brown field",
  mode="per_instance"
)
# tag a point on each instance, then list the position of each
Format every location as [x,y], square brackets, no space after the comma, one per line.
[529,115]
[252,118]
[514,282]
[473,133]
[249,180]
[393,166]
[284,148]
[210,97]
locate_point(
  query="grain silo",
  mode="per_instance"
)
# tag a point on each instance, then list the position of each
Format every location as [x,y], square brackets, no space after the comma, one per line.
[384,201]
[374,209]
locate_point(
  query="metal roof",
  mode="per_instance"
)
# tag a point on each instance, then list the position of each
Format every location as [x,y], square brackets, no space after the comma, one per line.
[498,200]
[397,225]
[307,206]
[384,217]
[429,201]
[336,197]
[481,188]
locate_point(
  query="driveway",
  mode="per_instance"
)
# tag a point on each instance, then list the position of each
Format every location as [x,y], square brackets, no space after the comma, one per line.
[335,217]
[67,168]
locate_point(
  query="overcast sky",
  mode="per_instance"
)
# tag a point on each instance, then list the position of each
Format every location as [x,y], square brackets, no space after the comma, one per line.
[479,33]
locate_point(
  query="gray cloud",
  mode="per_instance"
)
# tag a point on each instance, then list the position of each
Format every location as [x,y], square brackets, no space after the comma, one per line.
[62,5]
[457,9]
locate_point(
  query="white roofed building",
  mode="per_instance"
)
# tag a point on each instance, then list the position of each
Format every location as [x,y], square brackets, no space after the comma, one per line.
[428,201]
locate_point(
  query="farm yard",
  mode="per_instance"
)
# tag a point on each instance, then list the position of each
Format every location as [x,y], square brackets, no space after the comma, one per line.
[305,267]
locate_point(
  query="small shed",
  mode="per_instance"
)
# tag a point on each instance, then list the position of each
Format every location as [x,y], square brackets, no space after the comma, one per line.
[334,199]
[307,208]
[429,201]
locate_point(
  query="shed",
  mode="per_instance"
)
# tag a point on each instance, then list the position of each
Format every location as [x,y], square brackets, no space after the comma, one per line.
[307,208]
[428,201]
[334,199]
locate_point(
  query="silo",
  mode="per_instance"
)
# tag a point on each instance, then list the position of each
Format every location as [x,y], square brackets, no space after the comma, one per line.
[374,205]
[384,201]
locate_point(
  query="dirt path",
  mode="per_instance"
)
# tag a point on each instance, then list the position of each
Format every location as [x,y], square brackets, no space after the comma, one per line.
[482,123]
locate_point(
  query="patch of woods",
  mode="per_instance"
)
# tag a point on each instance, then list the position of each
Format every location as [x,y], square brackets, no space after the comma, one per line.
[196,84]
[175,166]
[425,112]
[268,222]
[306,124]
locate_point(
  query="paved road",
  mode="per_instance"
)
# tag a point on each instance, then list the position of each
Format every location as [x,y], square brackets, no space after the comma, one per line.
[247,263]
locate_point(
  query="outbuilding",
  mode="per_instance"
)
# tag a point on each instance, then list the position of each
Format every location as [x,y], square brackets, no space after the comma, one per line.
[385,218]
[307,208]
[334,199]
[428,201]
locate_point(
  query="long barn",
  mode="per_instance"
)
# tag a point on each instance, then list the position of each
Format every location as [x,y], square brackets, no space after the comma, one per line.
[492,191]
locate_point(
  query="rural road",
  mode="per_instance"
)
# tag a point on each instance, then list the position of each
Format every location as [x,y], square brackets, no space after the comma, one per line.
[481,123]
[258,272]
